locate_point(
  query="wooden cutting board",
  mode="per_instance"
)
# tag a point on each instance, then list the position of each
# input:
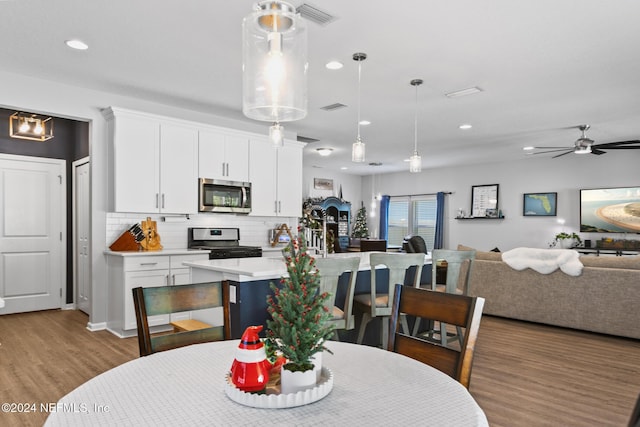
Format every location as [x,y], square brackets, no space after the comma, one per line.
[151,242]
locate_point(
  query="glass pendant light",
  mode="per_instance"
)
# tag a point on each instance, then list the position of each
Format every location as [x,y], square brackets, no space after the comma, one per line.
[415,161]
[274,65]
[357,151]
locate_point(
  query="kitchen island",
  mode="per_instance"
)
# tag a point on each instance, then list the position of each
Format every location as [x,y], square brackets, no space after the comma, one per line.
[249,280]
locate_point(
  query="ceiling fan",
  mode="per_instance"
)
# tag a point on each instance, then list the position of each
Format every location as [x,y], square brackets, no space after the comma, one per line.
[584,145]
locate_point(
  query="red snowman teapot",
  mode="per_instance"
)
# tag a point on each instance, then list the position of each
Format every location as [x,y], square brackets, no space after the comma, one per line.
[250,368]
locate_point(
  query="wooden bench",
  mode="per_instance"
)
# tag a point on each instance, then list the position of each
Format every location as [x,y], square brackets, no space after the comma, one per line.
[188,325]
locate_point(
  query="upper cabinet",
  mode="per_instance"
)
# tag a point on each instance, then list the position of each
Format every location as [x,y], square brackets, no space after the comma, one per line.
[223,156]
[154,164]
[276,178]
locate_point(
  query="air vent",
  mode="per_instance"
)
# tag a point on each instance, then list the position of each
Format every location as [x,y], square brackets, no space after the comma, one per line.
[314,14]
[333,107]
[306,139]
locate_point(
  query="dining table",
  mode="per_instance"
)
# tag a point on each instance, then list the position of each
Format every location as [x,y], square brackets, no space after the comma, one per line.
[186,386]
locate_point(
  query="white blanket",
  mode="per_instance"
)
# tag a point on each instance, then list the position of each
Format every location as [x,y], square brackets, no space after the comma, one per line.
[544,261]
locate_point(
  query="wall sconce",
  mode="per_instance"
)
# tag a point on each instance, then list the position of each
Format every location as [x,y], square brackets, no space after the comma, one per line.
[30,126]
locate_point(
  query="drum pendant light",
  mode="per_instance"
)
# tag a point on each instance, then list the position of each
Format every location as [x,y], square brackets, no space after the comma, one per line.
[357,150]
[274,65]
[415,161]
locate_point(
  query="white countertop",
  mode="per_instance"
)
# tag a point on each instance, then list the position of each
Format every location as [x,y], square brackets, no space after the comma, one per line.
[269,268]
[150,253]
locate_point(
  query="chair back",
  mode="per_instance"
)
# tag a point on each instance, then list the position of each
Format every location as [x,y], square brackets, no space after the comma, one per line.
[416,244]
[459,310]
[397,265]
[455,266]
[367,245]
[173,299]
[330,270]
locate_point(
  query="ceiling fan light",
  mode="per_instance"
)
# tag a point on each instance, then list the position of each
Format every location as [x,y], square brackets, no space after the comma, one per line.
[583,150]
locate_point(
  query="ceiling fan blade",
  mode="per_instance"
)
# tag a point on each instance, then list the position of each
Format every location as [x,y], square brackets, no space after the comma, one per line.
[550,151]
[559,155]
[610,144]
[596,151]
[623,147]
[560,148]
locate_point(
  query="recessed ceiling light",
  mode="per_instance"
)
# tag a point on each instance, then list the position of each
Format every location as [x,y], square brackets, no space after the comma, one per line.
[528,148]
[465,126]
[324,151]
[463,92]
[344,168]
[334,65]
[365,122]
[76,44]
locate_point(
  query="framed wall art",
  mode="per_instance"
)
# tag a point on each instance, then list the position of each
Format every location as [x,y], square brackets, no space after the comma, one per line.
[483,198]
[322,184]
[539,204]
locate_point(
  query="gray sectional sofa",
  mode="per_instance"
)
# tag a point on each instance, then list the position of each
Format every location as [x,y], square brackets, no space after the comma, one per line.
[605,298]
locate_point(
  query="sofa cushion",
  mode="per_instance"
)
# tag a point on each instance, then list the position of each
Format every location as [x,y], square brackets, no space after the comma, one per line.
[484,255]
[627,262]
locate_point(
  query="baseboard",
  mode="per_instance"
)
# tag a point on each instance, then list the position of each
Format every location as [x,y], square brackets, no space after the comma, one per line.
[68,307]
[96,326]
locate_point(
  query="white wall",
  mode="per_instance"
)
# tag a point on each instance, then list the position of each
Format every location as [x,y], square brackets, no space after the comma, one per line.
[533,174]
[351,186]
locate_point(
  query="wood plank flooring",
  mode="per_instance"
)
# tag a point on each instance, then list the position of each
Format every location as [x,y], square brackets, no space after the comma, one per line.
[524,374]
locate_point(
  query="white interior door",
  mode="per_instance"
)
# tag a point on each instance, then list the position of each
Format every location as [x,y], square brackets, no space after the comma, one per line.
[32,238]
[81,211]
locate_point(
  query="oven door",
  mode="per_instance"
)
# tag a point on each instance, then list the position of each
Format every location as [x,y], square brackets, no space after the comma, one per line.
[224,196]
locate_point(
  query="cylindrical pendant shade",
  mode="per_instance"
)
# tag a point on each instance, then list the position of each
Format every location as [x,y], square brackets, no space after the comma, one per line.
[274,62]
[415,163]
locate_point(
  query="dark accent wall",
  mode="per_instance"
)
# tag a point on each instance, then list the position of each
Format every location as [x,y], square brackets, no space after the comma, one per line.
[70,142]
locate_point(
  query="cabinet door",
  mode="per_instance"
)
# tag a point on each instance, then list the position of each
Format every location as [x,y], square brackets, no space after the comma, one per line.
[136,162]
[211,155]
[262,175]
[146,279]
[178,169]
[237,158]
[289,177]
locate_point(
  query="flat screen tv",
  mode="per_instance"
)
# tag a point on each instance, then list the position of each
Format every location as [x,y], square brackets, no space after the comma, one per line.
[610,210]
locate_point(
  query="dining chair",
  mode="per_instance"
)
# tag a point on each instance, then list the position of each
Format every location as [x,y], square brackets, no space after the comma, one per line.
[460,310]
[416,244]
[459,264]
[331,269]
[153,301]
[367,245]
[379,305]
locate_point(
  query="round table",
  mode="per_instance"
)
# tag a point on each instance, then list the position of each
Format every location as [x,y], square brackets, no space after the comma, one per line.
[185,386]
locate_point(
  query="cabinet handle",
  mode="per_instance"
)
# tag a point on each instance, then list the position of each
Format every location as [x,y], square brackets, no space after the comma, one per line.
[168,280]
[279,206]
[227,169]
[162,200]
[222,168]
[148,263]
[173,279]
[157,201]
[275,206]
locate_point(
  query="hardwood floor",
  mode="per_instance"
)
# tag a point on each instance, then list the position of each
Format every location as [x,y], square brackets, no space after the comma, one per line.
[524,374]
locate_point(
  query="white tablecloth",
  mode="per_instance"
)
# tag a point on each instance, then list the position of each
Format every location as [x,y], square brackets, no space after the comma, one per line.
[186,387]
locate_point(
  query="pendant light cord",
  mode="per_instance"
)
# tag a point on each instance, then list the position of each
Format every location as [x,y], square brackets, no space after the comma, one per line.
[359,77]
[415,125]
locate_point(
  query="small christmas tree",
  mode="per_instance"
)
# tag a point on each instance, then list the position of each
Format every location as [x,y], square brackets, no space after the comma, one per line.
[298,326]
[360,228]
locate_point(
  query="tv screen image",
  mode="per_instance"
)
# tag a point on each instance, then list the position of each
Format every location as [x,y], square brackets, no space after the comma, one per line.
[610,210]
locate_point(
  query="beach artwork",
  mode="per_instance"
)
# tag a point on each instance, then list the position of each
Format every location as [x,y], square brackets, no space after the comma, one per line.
[610,210]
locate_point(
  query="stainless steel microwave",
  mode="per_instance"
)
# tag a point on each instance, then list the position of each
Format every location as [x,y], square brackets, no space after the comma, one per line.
[216,195]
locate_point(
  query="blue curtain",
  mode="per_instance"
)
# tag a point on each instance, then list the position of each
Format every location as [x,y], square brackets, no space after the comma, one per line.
[438,240]
[384,217]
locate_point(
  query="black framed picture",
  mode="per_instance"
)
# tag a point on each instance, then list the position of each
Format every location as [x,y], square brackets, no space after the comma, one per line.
[483,198]
[539,204]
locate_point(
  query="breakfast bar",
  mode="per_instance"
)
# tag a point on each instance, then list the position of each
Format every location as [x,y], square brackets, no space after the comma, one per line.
[249,280]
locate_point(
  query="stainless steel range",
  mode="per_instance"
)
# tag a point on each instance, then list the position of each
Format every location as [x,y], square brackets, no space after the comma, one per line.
[221,243]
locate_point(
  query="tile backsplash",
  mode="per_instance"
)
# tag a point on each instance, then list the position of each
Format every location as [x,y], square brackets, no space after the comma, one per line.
[254,231]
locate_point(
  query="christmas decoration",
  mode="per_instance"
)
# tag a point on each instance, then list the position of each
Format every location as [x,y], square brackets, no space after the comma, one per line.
[360,229]
[250,368]
[298,326]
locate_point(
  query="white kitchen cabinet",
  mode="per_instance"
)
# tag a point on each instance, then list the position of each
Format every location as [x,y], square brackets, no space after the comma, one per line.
[128,271]
[155,163]
[276,178]
[223,156]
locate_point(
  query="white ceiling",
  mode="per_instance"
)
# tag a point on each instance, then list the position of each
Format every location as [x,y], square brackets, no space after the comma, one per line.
[545,66]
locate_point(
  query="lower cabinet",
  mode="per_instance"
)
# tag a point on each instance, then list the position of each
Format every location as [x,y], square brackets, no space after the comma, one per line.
[128,272]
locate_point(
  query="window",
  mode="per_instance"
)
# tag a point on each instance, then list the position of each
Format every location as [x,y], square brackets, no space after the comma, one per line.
[413,215]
